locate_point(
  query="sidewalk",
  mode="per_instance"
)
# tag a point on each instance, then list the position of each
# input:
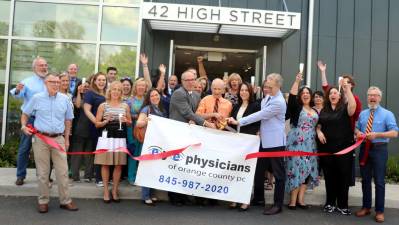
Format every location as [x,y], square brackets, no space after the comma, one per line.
[90,191]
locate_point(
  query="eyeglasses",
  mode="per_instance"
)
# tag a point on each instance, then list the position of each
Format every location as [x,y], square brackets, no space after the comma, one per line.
[189,80]
[53,82]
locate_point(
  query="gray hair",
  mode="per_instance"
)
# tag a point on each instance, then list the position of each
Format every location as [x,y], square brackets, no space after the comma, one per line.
[185,73]
[35,61]
[57,75]
[375,88]
[276,77]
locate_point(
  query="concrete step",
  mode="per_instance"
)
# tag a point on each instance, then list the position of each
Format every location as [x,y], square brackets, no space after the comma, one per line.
[127,191]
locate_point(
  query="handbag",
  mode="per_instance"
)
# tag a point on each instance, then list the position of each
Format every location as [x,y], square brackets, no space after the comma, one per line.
[139,132]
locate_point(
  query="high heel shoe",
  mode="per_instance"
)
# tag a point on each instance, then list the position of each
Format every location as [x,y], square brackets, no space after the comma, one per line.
[243,208]
[116,200]
[291,207]
[233,205]
[303,206]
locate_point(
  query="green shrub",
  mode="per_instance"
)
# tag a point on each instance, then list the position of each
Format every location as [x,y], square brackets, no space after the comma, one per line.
[8,154]
[393,169]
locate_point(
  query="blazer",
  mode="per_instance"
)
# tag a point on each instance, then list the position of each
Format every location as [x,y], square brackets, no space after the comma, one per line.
[252,128]
[272,117]
[183,106]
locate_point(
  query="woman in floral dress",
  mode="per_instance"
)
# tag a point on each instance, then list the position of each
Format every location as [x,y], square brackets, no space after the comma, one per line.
[301,171]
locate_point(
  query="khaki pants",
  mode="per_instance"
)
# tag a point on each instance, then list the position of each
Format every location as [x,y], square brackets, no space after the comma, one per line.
[43,152]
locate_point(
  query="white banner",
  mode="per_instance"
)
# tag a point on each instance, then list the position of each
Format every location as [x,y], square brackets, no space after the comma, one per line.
[214,169]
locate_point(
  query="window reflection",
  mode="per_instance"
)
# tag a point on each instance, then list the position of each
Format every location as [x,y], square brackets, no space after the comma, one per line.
[122,57]
[4,17]
[55,20]
[120,24]
[58,56]
[3,61]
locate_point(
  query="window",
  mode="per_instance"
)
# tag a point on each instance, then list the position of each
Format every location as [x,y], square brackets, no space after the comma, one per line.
[120,24]
[122,57]
[4,17]
[3,61]
[49,20]
[58,56]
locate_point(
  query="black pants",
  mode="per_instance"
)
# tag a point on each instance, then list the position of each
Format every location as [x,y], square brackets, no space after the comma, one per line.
[337,172]
[175,198]
[277,169]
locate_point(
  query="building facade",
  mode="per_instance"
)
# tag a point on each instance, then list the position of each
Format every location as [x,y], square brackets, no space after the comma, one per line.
[358,37]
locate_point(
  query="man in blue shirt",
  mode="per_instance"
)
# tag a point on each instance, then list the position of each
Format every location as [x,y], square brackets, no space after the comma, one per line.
[379,125]
[54,116]
[272,132]
[25,91]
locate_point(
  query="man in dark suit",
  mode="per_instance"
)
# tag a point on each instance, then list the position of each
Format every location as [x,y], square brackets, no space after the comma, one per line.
[183,104]
[73,77]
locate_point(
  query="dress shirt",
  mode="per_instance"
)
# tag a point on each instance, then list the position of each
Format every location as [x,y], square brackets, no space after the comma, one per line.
[272,117]
[50,111]
[383,121]
[72,84]
[32,86]
[207,105]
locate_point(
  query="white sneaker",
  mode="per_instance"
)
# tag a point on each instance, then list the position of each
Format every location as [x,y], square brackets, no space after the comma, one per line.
[99,184]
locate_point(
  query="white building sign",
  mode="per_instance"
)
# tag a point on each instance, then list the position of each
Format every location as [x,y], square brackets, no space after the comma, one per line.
[221,15]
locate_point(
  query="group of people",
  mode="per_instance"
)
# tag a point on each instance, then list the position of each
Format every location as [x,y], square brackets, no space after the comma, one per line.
[103,113]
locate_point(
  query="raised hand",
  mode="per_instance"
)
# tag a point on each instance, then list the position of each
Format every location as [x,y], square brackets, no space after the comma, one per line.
[162,68]
[322,66]
[200,59]
[299,77]
[143,59]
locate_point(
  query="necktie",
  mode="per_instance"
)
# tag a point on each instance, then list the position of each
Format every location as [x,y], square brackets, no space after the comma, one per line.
[216,106]
[215,110]
[368,142]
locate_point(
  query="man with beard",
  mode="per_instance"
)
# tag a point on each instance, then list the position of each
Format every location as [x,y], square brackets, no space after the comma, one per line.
[379,125]
[25,91]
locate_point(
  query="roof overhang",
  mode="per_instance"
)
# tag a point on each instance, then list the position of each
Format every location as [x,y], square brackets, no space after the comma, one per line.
[220,20]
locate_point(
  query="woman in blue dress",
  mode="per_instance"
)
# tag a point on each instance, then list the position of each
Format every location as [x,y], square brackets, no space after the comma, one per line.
[301,171]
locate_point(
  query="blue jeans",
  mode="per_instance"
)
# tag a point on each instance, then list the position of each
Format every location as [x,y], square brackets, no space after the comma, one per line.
[375,166]
[146,193]
[25,144]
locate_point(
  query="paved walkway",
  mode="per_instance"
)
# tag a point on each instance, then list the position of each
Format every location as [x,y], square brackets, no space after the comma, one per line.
[90,191]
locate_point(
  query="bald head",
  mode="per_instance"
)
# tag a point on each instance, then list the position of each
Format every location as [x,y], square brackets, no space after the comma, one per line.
[217,87]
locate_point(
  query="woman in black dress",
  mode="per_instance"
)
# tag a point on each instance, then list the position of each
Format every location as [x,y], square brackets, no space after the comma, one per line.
[246,106]
[335,133]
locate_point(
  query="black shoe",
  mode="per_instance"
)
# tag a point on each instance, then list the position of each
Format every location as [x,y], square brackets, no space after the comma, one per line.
[329,208]
[346,211]
[243,208]
[303,206]
[273,210]
[19,181]
[257,203]
[291,207]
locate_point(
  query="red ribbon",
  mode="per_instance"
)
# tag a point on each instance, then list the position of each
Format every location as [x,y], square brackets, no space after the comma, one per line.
[166,154]
[162,155]
[291,153]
